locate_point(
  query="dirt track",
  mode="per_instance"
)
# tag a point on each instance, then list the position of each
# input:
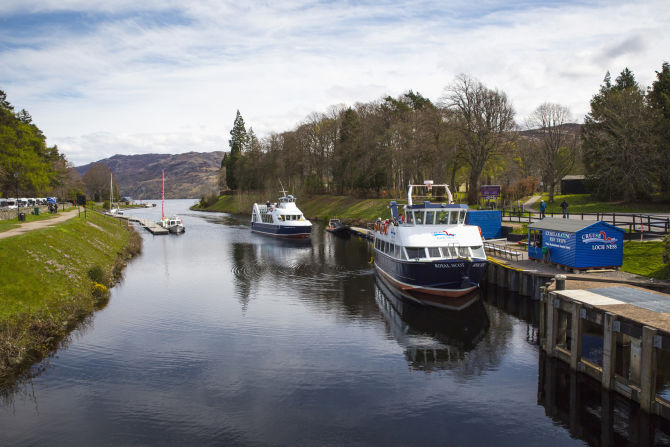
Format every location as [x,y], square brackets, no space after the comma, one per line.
[29,226]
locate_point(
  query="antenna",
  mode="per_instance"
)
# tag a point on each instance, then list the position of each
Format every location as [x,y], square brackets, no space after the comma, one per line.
[282,188]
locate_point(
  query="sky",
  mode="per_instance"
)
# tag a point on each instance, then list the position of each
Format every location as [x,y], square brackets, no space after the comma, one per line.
[167,76]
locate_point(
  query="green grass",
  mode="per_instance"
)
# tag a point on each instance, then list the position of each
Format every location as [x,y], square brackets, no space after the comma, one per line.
[585,203]
[45,283]
[645,258]
[8,224]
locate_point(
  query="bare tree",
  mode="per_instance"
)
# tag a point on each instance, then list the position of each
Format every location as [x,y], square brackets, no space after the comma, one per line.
[556,143]
[484,119]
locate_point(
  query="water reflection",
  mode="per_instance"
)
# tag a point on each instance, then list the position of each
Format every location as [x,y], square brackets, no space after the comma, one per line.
[599,417]
[432,338]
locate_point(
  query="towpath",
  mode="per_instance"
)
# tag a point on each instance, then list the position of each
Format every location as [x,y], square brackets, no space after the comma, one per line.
[29,226]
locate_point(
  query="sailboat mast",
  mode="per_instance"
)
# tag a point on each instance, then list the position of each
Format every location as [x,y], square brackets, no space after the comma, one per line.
[110,192]
[162,193]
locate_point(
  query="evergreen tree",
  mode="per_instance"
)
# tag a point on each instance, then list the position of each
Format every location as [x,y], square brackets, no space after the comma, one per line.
[618,141]
[237,143]
[659,100]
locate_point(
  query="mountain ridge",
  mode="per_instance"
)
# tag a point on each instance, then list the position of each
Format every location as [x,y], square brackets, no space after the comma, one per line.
[187,175]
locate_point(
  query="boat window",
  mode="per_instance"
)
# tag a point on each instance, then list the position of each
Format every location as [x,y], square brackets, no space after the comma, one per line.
[430,217]
[415,252]
[442,217]
[446,252]
[392,249]
[403,255]
[461,217]
[434,252]
[418,217]
[409,217]
[397,251]
[464,252]
[478,252]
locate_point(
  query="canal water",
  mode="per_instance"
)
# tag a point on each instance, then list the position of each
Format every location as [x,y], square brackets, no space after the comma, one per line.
[224,337]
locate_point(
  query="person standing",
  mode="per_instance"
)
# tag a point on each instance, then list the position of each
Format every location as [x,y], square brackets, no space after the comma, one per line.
[564,207]
[543,207]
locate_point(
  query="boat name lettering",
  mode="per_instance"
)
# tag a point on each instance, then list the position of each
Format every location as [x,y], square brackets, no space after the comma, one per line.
[450,266]
[479,264]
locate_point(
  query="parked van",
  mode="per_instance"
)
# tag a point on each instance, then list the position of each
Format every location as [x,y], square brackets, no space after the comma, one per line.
[11,204]
[23,202]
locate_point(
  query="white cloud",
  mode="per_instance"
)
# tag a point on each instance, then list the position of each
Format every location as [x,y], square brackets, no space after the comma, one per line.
[169,77]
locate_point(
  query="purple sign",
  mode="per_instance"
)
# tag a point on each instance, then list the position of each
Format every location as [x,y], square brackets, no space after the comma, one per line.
[490,191]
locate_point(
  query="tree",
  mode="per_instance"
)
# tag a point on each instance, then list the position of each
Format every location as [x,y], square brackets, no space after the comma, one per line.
[618,141]
[484,118]
[97,182]
[556,144]
[659,100]
[237,143]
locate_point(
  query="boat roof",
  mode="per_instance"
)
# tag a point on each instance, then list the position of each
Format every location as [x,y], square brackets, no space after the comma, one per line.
[427,204]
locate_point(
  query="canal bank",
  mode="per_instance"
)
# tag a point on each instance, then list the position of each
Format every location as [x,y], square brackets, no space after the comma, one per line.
[51,278]
[611,326]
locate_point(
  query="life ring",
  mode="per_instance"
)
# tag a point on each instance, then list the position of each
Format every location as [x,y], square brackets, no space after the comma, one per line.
[480,231]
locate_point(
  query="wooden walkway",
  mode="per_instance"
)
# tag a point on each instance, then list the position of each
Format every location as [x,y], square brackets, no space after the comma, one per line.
[149,225]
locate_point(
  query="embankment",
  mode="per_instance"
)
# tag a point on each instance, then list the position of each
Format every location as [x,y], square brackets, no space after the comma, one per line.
[320,206]
[53,277]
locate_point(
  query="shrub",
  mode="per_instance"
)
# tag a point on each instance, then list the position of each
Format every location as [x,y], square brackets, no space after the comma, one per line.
[96,274]
[99,290]
[666,249]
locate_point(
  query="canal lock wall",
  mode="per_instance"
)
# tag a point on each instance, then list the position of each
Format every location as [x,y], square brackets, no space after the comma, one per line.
[626,355]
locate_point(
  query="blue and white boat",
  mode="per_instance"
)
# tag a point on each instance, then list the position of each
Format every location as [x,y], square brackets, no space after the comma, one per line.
[282,219]
[429,253]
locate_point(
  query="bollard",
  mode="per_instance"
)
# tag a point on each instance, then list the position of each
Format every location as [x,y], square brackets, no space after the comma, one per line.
[560,282]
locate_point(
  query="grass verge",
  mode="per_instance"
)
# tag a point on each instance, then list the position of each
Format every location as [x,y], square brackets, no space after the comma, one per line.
[585,203]
[322,207]
[48,280]
[645,258]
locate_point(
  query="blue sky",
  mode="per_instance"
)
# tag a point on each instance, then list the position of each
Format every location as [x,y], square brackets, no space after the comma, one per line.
[167,76]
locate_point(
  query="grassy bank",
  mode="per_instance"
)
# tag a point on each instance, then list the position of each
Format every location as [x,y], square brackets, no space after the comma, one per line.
[320,207]
[48,279]
[585,203]
[645,258]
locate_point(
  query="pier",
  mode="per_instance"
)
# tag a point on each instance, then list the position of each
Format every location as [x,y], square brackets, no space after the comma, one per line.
[611,326]
[149,225]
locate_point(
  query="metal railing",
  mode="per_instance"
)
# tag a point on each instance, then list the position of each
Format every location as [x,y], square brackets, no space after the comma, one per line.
[503,251]
[634,223]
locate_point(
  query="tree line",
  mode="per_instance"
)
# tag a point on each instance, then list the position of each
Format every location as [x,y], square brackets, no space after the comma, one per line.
[469,136]
[30,168]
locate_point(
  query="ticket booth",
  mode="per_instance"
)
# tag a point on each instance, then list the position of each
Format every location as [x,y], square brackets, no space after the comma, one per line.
[577,244]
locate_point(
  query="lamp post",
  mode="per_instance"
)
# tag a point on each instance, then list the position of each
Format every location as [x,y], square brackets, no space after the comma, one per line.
[16,181]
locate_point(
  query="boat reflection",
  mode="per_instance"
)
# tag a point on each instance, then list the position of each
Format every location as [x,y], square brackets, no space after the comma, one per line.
[432,338]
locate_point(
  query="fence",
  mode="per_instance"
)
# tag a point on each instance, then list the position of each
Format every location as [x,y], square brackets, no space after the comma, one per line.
[634,223]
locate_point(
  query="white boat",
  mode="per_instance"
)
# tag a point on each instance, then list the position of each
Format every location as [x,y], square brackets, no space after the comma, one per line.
[283,219]
[113,209]
[173,224]
[430,254]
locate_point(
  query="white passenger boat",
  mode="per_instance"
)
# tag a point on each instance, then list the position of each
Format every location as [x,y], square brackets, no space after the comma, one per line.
[429,253]
[282,219]
[173,224]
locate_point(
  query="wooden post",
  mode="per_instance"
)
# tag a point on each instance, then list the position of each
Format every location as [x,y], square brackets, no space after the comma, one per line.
[551,322]
[647,370]
[609,350]
[576,345]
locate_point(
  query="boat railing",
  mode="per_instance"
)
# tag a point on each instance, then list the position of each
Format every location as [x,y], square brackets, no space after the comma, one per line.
[500,250]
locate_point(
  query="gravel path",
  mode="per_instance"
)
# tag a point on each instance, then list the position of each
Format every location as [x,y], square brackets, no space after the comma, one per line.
[29,226]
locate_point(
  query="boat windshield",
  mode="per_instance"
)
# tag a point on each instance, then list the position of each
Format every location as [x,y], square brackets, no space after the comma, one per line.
[435,217]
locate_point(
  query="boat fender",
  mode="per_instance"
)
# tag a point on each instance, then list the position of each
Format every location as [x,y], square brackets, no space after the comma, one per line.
[480,231]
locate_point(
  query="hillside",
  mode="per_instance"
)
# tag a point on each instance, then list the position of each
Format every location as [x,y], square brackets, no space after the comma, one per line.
[188,175]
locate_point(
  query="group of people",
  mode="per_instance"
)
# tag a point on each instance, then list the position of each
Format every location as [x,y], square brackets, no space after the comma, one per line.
[543,208]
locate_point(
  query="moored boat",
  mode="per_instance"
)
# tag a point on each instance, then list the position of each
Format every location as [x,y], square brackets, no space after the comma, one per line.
[173,224]
[336,227]
[429,253]
[282,219]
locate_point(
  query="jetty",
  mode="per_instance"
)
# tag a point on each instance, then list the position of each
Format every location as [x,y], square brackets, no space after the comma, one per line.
[607,324]
[149,225]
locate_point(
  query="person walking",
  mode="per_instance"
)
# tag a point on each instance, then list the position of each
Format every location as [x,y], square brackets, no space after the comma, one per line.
[543,207]
[564,207]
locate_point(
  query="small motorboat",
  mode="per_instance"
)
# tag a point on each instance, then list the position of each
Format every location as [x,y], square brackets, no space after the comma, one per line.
[336,227]
[173,224]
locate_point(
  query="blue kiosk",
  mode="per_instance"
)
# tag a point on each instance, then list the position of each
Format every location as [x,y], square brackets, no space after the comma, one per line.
[577,244]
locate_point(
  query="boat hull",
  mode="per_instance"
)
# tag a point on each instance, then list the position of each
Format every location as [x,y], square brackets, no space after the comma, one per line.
[176,229]
[433,283]
[282,231]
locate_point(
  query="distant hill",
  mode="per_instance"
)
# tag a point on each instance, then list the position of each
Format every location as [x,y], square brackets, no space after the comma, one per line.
[188,175]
